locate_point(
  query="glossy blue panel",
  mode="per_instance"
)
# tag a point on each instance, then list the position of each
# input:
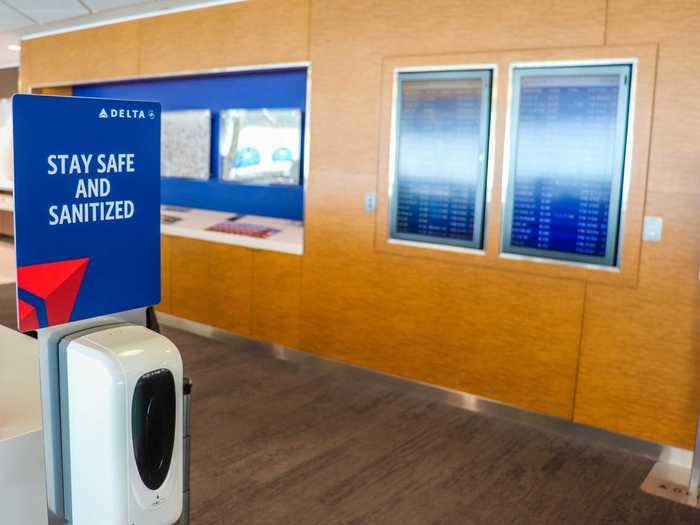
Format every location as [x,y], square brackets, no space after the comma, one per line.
[250,90]
[284,202]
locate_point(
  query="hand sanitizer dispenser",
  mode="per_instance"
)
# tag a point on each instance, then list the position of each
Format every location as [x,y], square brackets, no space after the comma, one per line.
[121,426]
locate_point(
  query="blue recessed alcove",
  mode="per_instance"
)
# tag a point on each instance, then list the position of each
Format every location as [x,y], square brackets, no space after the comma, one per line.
[278,89]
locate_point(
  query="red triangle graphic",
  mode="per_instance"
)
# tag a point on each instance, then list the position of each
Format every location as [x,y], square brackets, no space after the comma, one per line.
[59,305]
[42,279]
[57,283]
[28,319]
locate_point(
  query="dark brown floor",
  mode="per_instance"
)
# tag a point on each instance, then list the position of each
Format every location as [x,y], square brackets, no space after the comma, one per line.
[277,442]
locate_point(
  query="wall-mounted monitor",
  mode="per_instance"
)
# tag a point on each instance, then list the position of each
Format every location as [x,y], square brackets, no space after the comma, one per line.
[441,145]
[261,146]
[567,147]
[186,144]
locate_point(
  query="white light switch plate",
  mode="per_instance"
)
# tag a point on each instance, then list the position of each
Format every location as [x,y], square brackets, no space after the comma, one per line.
[653,229]
[370,202]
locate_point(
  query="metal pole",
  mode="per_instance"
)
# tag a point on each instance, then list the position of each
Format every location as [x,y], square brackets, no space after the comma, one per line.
[187,437]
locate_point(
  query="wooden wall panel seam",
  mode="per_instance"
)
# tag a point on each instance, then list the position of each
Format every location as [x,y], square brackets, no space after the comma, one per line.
[310,32]
[251,314]
[428,258]
[139,49]
[378,180]
[650,148]
[605,23]
[582,330]
[300,288]
[251,291]
[515,50]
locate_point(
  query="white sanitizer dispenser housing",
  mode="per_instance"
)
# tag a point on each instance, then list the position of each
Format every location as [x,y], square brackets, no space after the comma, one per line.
[121,427]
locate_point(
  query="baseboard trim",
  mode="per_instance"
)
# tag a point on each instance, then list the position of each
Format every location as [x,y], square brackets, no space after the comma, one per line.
[612,440]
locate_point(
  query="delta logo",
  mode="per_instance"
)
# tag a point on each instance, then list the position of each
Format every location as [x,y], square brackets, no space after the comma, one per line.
[126,113]
[47,292]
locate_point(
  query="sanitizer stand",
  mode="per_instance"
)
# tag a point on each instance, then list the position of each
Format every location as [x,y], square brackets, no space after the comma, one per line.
[677,476]
[112,400]
[694,482]
[111,389]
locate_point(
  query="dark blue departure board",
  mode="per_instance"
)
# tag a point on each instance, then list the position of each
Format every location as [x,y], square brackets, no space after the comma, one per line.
[568,141]
[441,150]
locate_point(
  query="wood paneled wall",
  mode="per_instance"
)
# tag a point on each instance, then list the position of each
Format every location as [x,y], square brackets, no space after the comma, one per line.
[80,56]
[640,353]
[249,292]
[9,80]
[513,337]
[625,358]
[239,34]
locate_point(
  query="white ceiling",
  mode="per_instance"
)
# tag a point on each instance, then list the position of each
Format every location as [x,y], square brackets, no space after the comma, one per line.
[24,18]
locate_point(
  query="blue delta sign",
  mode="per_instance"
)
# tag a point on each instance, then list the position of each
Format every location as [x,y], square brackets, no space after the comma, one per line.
[87,201]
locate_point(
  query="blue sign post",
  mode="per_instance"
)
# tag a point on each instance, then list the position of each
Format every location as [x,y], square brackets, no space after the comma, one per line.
[87,197]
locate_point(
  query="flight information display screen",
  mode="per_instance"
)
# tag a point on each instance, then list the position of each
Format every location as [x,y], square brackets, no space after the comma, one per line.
[568,140]
[441,151]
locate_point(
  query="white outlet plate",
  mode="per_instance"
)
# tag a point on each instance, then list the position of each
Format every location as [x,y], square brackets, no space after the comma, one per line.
[653,229]
[370,202]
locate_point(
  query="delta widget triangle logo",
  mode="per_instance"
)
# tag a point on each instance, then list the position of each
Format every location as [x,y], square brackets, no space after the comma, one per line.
[47,292]
[103,113]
